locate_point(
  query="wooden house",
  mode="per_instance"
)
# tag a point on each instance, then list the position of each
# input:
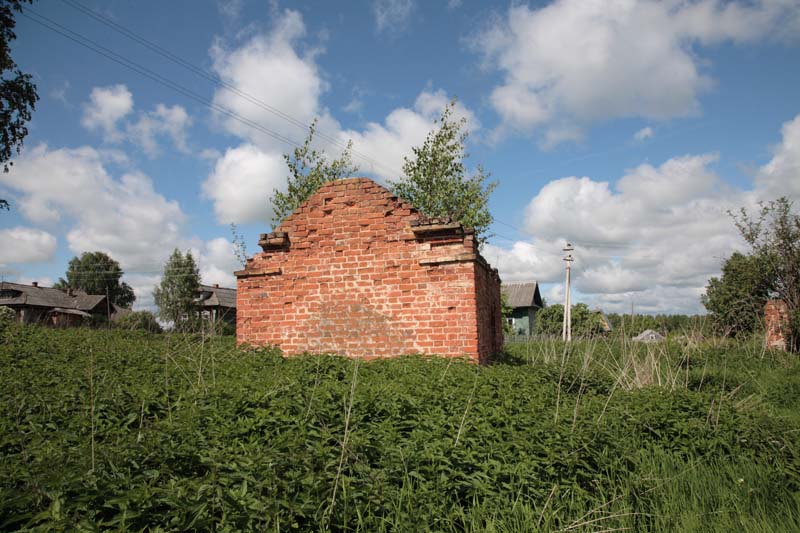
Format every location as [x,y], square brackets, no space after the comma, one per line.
[33,304]
[525,300]
[217,303]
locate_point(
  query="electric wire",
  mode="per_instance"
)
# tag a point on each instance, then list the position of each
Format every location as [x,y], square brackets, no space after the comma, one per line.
[144,71]
[216,79]
[150,74]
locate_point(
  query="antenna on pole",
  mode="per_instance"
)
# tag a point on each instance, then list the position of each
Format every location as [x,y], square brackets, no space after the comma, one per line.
[566,331]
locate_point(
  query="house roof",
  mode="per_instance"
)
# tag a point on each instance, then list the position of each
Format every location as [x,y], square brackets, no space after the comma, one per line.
[522,294]
[19,294]
[649,335]
[215,296]
[67,311]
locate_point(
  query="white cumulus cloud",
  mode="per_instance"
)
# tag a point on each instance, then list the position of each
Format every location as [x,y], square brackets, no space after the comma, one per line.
[109,106]
[781,176]
[218,261]
[124,217]
[105,108]
[273,82]
[163,122]
[653,239]
[26,245]
[269,67]
[582,61]
[242,182]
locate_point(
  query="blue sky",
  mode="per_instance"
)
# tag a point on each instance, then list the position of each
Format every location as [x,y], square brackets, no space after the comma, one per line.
[626,127]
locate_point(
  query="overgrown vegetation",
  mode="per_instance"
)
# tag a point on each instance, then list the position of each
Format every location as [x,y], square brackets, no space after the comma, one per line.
[436,181]
[139,320]
[736,300]
[131,431]
[774,235]
[585,323]
[309,169]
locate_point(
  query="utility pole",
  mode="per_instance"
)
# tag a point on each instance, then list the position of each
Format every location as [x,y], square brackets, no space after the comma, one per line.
[566,332]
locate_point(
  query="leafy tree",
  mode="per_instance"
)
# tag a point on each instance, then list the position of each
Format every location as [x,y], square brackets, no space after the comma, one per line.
[735,301]
[436,180]
[17,93]
[308,171]
[585,322]
[774,235]
[176,295]
[97,273]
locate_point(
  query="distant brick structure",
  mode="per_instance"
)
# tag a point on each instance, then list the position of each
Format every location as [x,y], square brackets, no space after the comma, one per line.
[776,323]
[357,271]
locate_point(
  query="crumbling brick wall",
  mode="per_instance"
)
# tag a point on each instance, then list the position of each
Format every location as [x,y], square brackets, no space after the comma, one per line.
[776,323]
[357,271]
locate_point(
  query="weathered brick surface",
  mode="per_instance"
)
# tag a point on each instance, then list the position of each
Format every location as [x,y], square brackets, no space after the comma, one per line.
[776,323]
[357,271]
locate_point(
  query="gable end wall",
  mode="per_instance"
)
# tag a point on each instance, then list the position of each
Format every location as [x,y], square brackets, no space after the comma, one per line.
[353,278]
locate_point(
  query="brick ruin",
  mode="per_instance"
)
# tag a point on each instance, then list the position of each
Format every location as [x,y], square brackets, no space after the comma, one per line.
[357,271]
[776,323]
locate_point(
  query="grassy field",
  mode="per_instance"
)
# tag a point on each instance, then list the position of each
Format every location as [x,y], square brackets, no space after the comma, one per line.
[132,431]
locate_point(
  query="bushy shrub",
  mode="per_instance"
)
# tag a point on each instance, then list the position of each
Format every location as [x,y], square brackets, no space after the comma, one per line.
[198,324]
[141,320]
[7,315]
[585,322]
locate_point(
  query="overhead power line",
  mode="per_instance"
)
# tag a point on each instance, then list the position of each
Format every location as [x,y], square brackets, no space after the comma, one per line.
[144,71]
[138,68]
[214,78]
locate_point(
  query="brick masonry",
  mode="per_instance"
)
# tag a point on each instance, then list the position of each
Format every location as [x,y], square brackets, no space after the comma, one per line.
[356,271]
[776,323]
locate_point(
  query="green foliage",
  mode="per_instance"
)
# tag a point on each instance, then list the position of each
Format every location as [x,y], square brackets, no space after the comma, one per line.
[735,301]
[7,317]
[96,273]
[176,295]
[632,325]
[128,431]
[774,236]
[506,311]
[435,180]
[17,92]
[139,320]
[585,322]
[308,171]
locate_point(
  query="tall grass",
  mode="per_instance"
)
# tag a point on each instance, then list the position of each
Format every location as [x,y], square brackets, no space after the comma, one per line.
[191,433]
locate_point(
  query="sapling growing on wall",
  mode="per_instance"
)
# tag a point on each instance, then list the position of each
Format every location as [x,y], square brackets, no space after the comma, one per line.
[436,180]
[309,169]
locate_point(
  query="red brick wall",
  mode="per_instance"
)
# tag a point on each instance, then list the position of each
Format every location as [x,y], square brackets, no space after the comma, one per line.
[776,323]
[490,320]
[359,273]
